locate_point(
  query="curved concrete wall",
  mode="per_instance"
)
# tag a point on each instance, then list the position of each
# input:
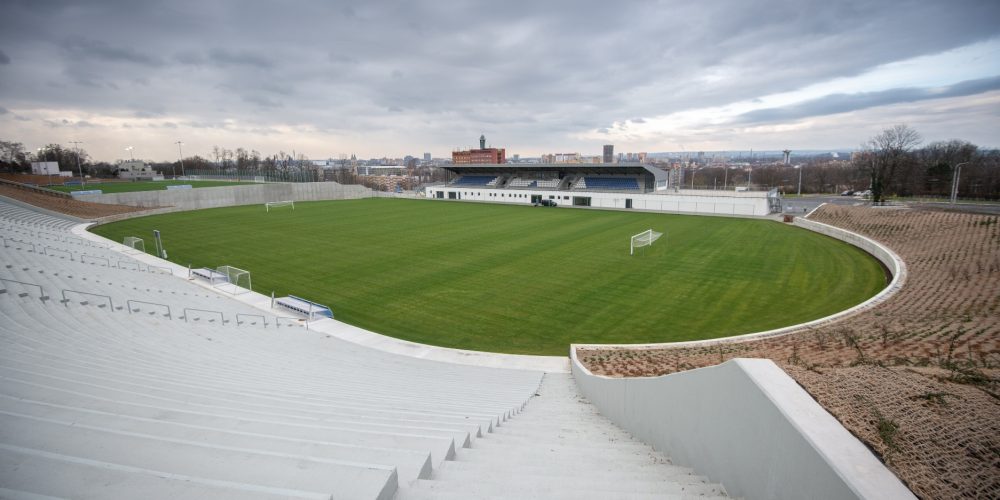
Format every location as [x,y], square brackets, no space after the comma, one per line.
[227,196]
[748,425]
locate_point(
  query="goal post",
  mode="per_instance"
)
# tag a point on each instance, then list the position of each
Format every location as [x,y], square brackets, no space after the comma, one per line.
[236,280]
[279,204]
[135,243]
[643,239]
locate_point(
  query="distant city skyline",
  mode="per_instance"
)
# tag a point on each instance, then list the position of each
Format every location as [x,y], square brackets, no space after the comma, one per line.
[386,79]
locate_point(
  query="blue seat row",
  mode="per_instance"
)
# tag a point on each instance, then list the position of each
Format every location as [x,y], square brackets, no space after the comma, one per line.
[611,183]
[473,180]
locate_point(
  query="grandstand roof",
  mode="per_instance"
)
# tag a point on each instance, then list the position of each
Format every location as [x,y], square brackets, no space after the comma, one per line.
[562,168]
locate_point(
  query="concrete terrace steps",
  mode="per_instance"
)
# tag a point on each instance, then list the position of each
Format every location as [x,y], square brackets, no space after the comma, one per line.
[97,402]
[50,475]
[303,398]
[114,404]
[560,447]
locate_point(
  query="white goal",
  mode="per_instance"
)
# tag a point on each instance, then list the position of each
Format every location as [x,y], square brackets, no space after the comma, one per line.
[237,280]
[643,239]
[278,204]
[135,243]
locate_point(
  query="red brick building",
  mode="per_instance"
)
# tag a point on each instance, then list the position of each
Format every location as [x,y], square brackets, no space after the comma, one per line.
[483,155]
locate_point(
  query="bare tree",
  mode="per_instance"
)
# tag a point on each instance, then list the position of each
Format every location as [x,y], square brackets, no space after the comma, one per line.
[885,155]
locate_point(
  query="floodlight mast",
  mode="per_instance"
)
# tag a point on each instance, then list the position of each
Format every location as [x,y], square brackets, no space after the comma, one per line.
[83,183]
[180,155]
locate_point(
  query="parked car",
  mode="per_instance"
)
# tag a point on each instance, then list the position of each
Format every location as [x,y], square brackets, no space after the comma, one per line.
[545,203]
[847,193]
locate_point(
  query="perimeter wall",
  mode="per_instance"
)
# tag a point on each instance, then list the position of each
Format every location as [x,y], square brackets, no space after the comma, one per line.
[745,424]
[227,196]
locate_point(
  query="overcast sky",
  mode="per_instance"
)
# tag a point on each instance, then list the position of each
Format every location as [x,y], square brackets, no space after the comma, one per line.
[327,78]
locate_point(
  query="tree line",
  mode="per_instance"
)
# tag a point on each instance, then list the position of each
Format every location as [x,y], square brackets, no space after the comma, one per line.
[891,163]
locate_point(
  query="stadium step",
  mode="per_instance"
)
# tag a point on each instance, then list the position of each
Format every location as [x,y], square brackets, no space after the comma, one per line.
[39,475]
[355,480]
[411,465]
[560,447]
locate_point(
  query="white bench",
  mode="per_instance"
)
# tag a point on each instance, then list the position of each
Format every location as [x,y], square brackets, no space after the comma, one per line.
[308,308]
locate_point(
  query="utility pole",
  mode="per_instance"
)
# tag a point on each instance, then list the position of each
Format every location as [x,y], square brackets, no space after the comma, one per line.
[180,155]
[83,183]
[954,181]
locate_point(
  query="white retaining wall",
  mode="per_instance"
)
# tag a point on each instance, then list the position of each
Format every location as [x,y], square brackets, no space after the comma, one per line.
[748,425]
[227,196]
[695,201]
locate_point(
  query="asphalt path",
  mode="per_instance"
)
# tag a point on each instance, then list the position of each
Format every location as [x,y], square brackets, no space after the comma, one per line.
[805,204]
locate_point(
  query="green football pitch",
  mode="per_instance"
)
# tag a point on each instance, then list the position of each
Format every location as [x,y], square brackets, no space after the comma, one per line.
[128,187]
[519,279]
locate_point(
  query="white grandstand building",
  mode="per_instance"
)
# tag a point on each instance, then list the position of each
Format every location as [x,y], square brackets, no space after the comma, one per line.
[617,186]
[120,377]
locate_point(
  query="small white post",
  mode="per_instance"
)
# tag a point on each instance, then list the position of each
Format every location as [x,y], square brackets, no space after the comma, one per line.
[272,299]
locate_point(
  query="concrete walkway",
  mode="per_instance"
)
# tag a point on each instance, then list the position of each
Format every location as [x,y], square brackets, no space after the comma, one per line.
[559,446]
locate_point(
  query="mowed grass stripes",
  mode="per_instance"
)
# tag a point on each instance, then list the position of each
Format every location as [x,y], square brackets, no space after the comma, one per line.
[522,279]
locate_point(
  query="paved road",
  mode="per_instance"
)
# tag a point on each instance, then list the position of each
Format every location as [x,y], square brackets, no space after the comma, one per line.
[807,203]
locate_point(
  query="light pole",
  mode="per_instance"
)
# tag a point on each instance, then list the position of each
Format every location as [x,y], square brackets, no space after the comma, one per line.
[799,168]
[954,181]
[40,159]
[180,155]
[83,183]
[130,155]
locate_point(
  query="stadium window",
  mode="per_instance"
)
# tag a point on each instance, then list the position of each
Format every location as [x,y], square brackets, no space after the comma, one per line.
[565,197]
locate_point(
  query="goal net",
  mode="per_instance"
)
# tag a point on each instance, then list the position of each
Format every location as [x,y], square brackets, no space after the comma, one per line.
[135,243]
[278,204]
[643,239]
[237,280]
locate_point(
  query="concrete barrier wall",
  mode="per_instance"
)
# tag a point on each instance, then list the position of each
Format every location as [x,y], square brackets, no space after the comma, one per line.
[748,425]
[227,196]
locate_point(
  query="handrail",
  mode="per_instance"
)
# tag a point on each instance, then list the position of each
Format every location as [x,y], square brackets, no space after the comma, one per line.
[162,269]
[41,291]
[65,301]
[45,251]
[6,239]
[134,263]
[221,316]
[294,321]
[131,310]
[107,261]
[261,316]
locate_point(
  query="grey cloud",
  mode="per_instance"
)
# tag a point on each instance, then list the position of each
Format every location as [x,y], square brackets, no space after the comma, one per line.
[438,72]
[842,103]
[264,102]
[97,49]
[4,58]
[3,110]
[227,57]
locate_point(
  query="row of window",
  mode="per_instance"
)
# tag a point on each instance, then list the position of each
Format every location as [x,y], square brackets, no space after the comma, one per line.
[503,195]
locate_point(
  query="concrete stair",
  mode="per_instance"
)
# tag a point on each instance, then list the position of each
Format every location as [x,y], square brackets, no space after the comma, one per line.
[560,447]
[98,402]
